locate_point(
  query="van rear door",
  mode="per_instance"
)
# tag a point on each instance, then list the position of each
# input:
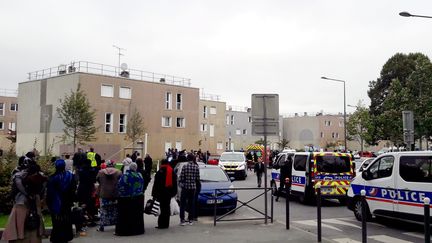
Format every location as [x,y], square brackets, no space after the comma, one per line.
[298,176]
[414,183]
[333,171]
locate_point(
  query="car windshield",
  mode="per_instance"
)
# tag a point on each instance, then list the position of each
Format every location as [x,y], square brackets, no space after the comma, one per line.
[333,164]
[212,175]
[232,157]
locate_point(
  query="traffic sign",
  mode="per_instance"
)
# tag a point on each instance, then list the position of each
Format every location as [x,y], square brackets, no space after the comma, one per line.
[265,114]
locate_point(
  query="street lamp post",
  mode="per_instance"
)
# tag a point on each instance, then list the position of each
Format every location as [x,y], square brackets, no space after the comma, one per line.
[345,129]
[406,14]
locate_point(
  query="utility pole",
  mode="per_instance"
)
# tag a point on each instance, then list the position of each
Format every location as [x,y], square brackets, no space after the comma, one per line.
[119,54]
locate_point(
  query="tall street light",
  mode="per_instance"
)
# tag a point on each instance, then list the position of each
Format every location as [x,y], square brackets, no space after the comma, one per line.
[345,129]
[406,14]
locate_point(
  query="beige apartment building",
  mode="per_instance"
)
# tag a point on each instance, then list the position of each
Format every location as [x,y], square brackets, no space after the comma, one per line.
[212,124]
[318,130]
[8,117]
[168,105]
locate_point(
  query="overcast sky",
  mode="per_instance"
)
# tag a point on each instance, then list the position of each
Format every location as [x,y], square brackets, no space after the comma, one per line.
[230,48]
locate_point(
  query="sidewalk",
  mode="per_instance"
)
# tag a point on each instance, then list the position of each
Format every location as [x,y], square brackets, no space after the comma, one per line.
[204,231]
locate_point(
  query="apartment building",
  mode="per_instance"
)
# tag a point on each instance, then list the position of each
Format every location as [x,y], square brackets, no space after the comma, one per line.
[212,124]
[318,130]
[8,117]
[239,129]
[168,105]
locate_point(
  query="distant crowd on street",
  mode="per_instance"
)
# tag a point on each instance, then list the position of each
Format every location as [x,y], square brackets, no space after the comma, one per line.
[87,191]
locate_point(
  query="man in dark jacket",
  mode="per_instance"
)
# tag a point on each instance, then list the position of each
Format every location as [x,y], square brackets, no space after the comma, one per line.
[259,170]
[285,176]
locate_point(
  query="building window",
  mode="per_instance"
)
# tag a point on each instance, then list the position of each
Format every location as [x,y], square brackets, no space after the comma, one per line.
[232,120]
[227,119]
[203,127]
[205,112]
[168,101]
[179,146]
[14,107]
[219,146]
[108,122]
[180,122]
[122,123]
[340,123]
[1,125]
[250,119]
[179,99]
[322,134]
[211,130]
[327,123]
[212,110]
[1,109]
[337,135]
[244,132]
[166,121]
[333,135]
[12,126]
[107,90]
[125,93]
[238,132]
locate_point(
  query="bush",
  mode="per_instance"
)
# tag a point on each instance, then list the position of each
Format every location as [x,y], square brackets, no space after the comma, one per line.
[5,199]
[7,164]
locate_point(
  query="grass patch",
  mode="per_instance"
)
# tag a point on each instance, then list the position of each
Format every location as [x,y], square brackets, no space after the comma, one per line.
[4,219]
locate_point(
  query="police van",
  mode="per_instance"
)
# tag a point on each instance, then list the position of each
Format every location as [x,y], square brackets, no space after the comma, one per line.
[275,172]
[331,170]
[395,184]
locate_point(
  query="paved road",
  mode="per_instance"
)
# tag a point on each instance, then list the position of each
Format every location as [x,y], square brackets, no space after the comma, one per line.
[338,224]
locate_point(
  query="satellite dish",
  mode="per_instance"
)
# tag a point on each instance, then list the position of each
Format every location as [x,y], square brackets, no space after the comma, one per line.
[124,66]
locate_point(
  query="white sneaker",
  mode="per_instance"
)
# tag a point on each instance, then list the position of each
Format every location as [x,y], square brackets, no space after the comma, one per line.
[191,222]
[183,223]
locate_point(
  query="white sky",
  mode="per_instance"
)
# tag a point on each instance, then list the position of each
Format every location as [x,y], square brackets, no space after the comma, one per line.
[231,48]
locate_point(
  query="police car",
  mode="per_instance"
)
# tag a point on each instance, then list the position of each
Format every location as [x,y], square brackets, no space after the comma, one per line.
[395,184]
[331,170]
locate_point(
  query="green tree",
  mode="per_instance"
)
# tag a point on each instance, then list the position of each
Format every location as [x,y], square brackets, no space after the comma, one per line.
[78,117]
[404,84]
[283,143]
[135,128]
[359,125]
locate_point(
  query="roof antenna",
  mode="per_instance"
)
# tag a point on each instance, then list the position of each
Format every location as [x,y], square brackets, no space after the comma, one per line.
[119,54]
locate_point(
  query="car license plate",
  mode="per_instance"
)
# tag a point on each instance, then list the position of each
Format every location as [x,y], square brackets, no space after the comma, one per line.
[212,201]
[230,172]
[326,190]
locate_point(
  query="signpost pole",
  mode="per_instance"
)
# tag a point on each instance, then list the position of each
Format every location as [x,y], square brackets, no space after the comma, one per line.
[265,157]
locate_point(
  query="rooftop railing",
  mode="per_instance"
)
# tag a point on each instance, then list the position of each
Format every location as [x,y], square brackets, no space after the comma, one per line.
[211,97]
[238,108]
[109,70]
[9,92]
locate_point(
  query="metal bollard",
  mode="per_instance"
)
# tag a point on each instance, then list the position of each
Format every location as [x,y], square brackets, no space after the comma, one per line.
[364,226]
[318,188]
[287,206]
[271,206]
[427,219]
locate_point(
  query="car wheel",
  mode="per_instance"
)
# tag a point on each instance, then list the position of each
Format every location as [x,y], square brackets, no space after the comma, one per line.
[358,210]
[273,188]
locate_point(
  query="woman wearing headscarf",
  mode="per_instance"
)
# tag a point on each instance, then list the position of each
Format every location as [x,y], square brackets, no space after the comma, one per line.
[164,188]
[130,220]
[60,197]
[107,191]
[28,186]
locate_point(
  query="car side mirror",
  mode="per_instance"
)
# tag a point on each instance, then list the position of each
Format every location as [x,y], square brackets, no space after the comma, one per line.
[232,179]
[366,175]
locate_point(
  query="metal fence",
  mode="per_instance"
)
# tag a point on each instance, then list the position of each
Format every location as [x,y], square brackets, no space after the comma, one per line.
[9,92]
[109,70]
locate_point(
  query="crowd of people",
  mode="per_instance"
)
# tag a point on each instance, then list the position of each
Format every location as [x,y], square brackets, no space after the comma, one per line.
[87,191]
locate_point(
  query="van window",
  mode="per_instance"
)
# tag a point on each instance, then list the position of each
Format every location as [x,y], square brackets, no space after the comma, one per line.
[416,168]
[333,164]
[382,168]
[300,162]
[279,161]
[232,157]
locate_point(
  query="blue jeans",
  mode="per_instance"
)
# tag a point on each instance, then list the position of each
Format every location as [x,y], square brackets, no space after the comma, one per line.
[187,202]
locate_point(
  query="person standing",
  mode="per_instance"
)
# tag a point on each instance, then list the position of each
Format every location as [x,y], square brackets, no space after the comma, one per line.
[189,176]
[126,163]
[79,159]
[60,197]
[164,188]
[284,176]
[107,192]
[69,163]
[85,191]
[259,170]
[27,188]
[130,220]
